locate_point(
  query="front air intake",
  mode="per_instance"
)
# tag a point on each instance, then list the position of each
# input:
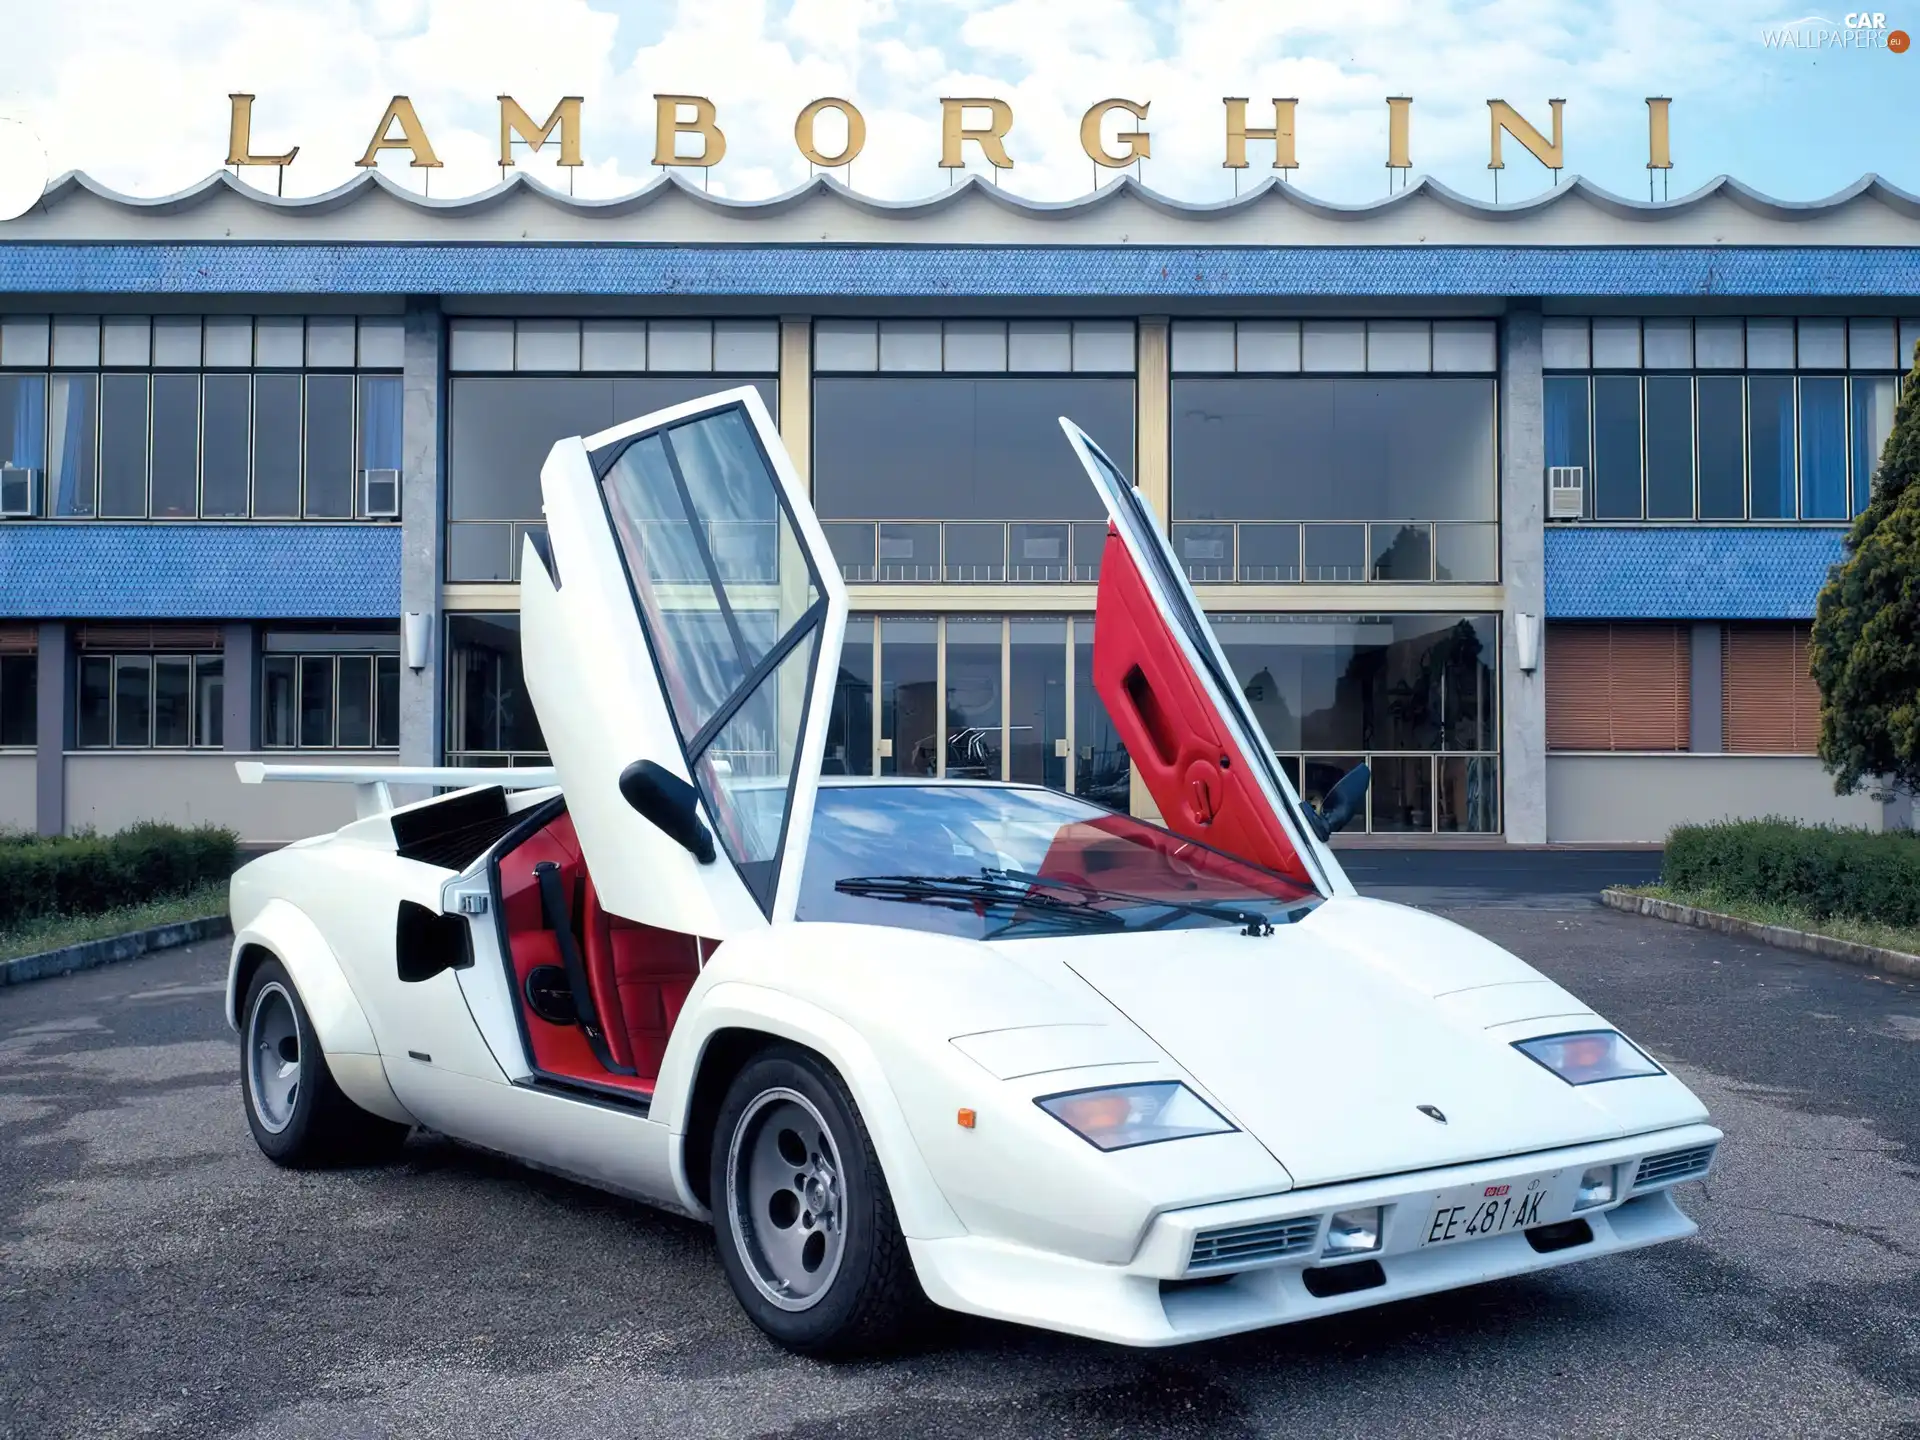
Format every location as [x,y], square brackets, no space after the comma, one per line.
[1675,1165]
[1238,1246]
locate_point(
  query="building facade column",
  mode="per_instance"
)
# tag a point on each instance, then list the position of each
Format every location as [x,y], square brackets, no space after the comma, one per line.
[1152,466]
[1523,727]
[238,730]
[53,727]
[796,395]
[1704,713]
[423,534]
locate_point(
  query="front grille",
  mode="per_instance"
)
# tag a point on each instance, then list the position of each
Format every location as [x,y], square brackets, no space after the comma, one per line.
[1674,1165]
[1240,1245]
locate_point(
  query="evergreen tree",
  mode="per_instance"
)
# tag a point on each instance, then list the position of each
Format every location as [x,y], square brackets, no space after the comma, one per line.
[1866,628]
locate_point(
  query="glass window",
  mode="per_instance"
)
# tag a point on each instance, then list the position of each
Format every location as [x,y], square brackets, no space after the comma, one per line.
[909,696]
[1616,447]
[1567,431]
[355,679]
[1466,554]
[209,700]
[279,691]
[172,700]
[386,701]
[1770,445]
[1402,552]
[226,421]
[329,447]
[71,442]
[176,446]
[1723,449]
[1037,702]
[94,723]
[1823,447]
[1105,865]
[1468,800]
[1102,771]
[1402,794]
[133,700]
[276,445]
[489,713]
[380,418]
[479,551]
[1333,449]
[1873,401]
[948,447]
[316,701]
[1269,554]
[123,446]
[1334,552]
[974,699]
[849,748]
[1670,447]
[19,699]
[501,428]
[23,426]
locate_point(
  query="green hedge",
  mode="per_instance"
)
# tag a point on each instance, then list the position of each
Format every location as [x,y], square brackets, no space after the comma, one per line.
[86,873]
[1821,869]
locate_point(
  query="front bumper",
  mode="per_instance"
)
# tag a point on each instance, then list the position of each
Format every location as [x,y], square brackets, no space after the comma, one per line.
[1155,1300]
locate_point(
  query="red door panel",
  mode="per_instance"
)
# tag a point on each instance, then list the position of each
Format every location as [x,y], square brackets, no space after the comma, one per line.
[1190,764]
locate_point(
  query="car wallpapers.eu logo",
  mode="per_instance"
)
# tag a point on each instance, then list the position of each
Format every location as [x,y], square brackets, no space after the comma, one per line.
[1855,30]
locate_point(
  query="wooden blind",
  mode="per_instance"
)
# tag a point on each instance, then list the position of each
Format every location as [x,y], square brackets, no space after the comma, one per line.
[1618,687]
[1769,703]
[19,639]
[150,637]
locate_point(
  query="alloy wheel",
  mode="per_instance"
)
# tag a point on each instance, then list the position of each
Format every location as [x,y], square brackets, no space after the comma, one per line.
[273,1058]
[786,1198]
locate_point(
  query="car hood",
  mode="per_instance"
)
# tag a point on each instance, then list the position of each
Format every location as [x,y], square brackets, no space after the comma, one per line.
[1327,1040]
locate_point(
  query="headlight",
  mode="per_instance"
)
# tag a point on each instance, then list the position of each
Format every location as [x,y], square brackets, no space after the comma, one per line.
[1120,1116]
[1596,1188]
[1353,1232]
[1588,1056]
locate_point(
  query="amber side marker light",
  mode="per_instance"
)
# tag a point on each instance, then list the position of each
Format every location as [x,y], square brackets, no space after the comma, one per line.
[967,1119]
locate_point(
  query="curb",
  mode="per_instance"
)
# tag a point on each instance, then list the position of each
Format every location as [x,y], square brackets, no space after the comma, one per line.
[91,954]
[1891,962]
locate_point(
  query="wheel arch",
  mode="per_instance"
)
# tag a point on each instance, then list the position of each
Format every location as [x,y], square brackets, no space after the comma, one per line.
[737,1022]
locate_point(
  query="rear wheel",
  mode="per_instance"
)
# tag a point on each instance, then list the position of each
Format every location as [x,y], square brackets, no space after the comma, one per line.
[298,1115]
[802,1216]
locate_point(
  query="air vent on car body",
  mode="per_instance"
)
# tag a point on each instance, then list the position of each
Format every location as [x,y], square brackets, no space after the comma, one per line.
[1237,1246]
[1674,1165]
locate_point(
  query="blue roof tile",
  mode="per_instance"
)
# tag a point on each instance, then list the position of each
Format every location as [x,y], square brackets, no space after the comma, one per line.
[94,570]
[1692,572]
[954,270]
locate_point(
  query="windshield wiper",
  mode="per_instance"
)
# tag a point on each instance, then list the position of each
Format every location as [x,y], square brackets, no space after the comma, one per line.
[1251,922]
[969,892]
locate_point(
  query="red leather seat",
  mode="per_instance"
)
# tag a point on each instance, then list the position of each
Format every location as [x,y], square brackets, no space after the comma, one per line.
[651,971]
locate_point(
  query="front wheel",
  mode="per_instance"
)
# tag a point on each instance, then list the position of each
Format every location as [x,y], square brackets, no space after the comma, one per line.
[298,1115]
[801,1212]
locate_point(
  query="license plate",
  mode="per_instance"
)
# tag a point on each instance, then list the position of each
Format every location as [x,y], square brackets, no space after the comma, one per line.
[1474,1212]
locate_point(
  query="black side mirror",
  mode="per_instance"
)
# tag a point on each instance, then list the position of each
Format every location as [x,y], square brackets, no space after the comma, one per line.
[1342,803]
[671,804]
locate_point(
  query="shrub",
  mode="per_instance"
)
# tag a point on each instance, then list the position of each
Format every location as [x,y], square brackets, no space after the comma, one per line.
[86,873]
[1822,869]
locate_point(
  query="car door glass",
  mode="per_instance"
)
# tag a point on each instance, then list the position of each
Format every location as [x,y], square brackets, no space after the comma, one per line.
[732,611]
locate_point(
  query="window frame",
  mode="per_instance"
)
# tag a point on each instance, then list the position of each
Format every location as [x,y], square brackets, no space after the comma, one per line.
[114,659]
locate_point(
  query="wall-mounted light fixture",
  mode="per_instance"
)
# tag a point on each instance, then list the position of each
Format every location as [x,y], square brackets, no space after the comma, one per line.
[417,636]
[1526,641]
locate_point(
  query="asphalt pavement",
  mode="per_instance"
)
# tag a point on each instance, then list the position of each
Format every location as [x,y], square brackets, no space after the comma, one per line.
[158,1277]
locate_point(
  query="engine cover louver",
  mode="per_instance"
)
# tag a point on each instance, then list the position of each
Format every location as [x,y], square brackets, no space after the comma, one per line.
[1233,1246]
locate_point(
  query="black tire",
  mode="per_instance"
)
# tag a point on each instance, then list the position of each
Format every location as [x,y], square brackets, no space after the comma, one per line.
[871,1300]
[311,1123]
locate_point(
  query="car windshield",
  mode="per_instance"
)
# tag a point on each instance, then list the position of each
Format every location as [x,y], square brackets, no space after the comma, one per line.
[1001,862]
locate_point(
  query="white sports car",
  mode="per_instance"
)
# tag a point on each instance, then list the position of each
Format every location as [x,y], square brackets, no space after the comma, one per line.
[981,1044]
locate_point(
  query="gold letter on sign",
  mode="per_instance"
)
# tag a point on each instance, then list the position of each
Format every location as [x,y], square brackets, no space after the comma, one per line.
[1659,147]
[240,137]
[990,138]
[1399,127]
[1238,134]
[411,137]
[515,121]
[856,133]
[668,127]
[1506,118]
[1139,144]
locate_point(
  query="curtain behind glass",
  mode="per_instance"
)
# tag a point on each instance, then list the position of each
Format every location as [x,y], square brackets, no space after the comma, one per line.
[1770,445]
[23,412]
[71,431]
[1823,448]
[380,422]
[1873,400]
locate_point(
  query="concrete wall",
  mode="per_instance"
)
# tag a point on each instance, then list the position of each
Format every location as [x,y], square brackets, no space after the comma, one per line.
[17,791]
[1602,799]
[109,791]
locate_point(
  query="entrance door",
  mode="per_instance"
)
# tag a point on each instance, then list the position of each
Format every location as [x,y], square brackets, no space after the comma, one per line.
[1170,691]
[686,613]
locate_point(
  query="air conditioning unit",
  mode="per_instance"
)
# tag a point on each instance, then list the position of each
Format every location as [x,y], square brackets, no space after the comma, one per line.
[1566,492]
[380,494]
[16,492]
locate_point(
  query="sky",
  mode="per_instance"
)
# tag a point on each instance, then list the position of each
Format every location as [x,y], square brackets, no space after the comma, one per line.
[134,93]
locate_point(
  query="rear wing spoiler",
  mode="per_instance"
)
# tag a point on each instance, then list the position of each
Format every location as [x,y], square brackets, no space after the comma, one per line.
[372,794]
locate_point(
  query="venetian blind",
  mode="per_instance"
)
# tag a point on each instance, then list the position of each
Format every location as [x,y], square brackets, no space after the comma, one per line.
[1618,687]
[1769,703]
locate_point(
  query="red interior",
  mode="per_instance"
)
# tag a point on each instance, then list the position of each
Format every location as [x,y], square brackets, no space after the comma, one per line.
[1188,759]
[640,975]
